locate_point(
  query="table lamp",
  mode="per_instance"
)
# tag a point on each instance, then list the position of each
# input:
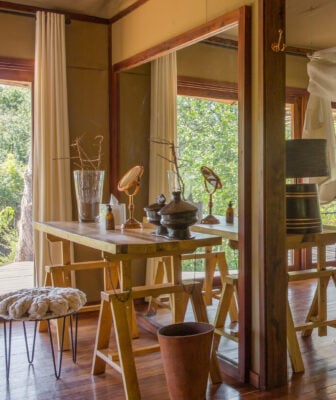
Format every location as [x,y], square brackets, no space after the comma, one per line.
[305,158]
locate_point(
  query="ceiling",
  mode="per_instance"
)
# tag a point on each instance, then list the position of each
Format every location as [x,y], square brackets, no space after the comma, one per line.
[310,23]
[97,8]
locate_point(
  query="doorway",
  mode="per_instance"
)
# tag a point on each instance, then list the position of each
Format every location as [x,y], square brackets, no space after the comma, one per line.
[16,233]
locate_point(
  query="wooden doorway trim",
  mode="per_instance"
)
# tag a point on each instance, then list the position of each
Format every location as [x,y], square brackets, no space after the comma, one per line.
[16,69]
[271,155]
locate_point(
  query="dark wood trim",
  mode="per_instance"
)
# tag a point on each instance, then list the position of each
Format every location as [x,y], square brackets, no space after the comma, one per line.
[222,42]
[244,192]
[293,92]
[298,51]
[299,98]
[31,9]
[206,88]
[271,189]
[127,10]
[233,44]
[17,69]
[176,43]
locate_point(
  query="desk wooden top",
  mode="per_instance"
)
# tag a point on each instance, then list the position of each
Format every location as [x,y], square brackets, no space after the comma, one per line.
[226,231]
[139,242]
[300,241]
[293,241]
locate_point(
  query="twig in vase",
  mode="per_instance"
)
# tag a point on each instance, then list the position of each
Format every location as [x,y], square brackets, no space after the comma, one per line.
[85,162]
[173,160]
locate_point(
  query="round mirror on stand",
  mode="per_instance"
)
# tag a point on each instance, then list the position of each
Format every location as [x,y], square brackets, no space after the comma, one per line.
[131,180]
[212,182]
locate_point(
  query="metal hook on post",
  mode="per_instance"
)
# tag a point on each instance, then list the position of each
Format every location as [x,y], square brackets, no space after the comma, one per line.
[276,47]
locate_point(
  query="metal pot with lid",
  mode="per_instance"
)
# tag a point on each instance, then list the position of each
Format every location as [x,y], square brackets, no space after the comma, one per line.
[177,216]
[153,216]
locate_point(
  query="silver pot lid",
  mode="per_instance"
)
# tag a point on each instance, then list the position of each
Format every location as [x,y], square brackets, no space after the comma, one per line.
[177,206]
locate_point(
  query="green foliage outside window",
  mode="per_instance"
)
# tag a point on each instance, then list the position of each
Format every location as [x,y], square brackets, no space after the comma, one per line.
[15,147]
[8,235]
[207,134]
[15,123]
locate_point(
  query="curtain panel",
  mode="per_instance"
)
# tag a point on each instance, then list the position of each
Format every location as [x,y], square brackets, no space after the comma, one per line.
[163,122]
[162,129]
[319,123]
[51,150]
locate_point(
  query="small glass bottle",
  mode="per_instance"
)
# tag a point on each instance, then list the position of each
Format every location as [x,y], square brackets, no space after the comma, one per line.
[229,214]
[109,219]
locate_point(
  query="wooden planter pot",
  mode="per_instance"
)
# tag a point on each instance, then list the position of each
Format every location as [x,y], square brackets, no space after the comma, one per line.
[186,350]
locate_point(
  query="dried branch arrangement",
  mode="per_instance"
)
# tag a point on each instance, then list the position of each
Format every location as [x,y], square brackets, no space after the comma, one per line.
[173,160]
[84,160]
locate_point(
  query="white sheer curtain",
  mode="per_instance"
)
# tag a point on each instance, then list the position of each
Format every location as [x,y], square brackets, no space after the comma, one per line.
[163,121]
[51,164]
[162,127]
[318,119]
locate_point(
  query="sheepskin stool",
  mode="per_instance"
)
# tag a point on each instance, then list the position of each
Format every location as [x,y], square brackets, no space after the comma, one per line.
[41,304]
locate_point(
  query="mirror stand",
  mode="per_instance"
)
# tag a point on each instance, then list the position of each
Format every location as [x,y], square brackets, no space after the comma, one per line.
[131,180]
[210,219]
[212,182]
[131,222]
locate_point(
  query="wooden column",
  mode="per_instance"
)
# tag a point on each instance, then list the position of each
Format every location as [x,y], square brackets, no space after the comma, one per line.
[272,253]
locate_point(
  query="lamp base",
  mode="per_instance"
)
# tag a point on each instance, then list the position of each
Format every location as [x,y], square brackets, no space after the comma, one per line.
[131,223]
[303,208]
[210,219]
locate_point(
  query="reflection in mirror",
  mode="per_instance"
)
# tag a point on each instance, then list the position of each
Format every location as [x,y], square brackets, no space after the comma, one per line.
[212,182]
[206,73]
[215,67]
[131,180]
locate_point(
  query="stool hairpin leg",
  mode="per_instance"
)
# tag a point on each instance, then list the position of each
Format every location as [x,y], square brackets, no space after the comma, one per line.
[74,341]
[30,358]
[57,373]
[73,344]
[7,346]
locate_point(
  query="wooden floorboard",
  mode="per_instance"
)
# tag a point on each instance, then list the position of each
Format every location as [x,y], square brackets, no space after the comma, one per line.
[16,276]
[37,382]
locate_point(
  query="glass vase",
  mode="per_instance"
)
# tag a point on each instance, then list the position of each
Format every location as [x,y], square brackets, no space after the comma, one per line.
[89,190]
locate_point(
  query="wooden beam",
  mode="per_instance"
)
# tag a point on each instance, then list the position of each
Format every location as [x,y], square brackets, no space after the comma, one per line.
[185,39]
[244,192]
[271,189]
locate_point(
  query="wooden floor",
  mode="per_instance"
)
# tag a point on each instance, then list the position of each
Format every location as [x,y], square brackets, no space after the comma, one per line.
[16,276]
[38,382]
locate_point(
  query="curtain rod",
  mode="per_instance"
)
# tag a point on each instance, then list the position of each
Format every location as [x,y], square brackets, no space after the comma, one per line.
[21,14]
[29,11]
[31,15]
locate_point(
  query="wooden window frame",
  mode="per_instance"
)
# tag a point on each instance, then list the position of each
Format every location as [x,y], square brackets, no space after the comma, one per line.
[15,69]
[212,90]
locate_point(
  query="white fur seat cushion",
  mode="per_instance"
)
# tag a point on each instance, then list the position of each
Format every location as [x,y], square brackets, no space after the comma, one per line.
[41,303]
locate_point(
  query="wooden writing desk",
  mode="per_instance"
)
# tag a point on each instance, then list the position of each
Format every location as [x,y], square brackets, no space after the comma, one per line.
[317,314]
[226,231]
[122,248]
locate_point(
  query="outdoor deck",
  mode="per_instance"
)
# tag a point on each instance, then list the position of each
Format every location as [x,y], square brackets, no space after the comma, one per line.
[16,276]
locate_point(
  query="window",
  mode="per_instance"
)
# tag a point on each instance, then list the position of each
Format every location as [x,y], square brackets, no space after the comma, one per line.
[16,77]
[207,134]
